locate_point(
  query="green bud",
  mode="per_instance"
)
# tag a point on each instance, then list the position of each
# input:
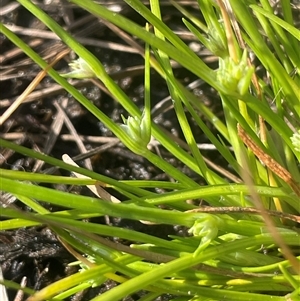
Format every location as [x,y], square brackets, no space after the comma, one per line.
[296,140]
[217,43]
[207,227]
[139,131]
[235,77]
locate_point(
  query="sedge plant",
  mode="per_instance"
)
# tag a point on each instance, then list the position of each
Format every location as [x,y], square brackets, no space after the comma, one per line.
[240,246]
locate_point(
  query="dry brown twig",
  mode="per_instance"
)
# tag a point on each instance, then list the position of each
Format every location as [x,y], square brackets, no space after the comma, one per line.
[273,165]
[31,87]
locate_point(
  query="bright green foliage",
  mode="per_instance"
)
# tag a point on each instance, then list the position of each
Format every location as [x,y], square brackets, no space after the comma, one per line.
[228,256]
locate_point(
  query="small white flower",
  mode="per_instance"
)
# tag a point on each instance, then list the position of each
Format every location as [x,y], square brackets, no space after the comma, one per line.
[80,69]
